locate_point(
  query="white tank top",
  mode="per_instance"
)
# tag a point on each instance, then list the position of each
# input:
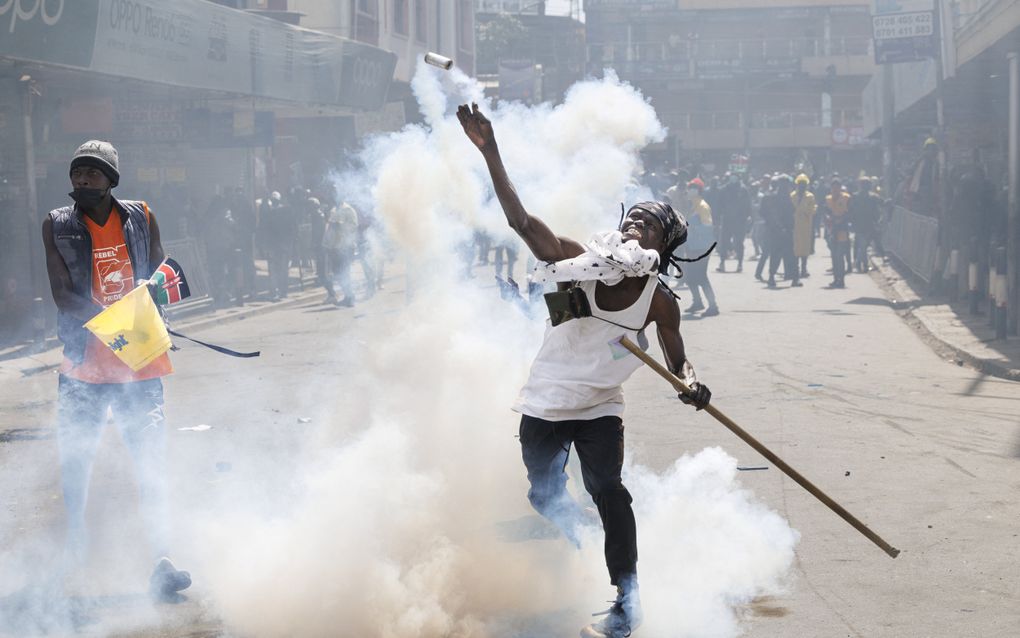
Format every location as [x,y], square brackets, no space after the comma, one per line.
[577,374]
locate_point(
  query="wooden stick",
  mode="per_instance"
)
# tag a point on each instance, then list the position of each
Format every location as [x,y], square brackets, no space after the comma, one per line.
[761,449]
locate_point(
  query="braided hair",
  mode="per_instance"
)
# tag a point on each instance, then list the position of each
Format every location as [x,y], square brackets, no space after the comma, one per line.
[674,232]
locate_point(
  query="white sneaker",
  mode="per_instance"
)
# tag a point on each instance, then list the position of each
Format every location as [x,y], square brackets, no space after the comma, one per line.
[622,618]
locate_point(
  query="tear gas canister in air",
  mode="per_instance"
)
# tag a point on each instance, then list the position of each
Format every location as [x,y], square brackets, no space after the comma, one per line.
[441,61]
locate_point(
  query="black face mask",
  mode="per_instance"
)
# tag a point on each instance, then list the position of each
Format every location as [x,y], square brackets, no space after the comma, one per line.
[88,197]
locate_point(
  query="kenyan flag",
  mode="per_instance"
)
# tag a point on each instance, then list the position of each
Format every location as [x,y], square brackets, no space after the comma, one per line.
[169,283]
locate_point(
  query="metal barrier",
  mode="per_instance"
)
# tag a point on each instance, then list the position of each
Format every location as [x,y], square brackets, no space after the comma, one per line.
[912,239]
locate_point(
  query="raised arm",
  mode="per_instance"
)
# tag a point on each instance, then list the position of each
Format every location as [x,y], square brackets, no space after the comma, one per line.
[544,244]
[60,281]
[666,315]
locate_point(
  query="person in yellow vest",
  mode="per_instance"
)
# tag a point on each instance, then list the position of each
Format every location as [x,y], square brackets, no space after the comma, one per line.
[804,208]
[96,250]
[700,234]
[838,231]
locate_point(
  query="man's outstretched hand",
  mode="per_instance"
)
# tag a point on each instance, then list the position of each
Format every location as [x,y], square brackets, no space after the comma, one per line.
[699,397]
[477,127]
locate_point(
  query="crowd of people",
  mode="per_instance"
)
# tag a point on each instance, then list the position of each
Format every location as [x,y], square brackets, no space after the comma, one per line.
[318,234]
[783,216]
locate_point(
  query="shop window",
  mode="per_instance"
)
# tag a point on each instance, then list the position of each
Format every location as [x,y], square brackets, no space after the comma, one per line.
[465,26]
[366,21]
[727,120]
[770,119]
[806,119]
[421,20]
[400,17]
[701,121]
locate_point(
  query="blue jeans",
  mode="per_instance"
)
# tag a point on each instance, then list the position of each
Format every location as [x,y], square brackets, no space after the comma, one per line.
[138,411]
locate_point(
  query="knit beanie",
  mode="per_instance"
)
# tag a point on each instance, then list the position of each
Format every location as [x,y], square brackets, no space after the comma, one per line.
[98,154]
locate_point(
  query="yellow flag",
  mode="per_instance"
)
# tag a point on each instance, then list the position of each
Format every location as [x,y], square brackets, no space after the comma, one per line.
[132,328]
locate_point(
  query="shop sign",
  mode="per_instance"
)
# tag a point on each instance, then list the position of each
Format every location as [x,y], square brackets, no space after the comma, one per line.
[197,44]
[848,136]
[903,30]
[148,174]
[178,174]
[738,163]
[54,31]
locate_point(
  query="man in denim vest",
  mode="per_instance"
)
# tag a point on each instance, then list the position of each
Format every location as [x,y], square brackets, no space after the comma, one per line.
[96,250]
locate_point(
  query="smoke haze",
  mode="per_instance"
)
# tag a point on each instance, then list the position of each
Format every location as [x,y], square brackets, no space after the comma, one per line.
[403,514]
[397,530]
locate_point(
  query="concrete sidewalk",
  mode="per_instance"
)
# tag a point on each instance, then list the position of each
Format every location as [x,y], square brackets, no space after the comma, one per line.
[948,327]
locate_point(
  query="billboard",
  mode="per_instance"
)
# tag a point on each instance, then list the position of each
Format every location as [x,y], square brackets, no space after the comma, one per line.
[197,44]
[903,30]
[55,31]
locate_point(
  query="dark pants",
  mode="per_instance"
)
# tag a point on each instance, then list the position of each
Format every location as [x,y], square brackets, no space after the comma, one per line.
[781,251]
[545,447]
[340,260]
[511,258]
[247,265]
[863,238]
[279,270]
[766,251]
[696,276]
[732,239]
[840,255]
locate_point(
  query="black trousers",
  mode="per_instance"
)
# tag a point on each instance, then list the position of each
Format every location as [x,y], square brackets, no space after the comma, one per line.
[545,447]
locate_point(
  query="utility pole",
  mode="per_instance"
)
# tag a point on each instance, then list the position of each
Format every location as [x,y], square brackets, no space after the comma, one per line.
[32,219]
[1013,224]
[942,253]
[888,138]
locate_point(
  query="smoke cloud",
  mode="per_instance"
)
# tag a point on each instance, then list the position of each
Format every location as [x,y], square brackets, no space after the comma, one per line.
[408,516]
[413,527]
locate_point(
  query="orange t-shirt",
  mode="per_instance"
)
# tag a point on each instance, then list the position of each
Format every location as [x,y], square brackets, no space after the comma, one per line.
[112,278]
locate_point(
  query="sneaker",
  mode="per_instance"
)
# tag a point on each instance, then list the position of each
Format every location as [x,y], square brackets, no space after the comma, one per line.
[836,285]
[696,307]
[720,268]
[772,282]
[796,284]
[167,580]
[713,311]
[622,618]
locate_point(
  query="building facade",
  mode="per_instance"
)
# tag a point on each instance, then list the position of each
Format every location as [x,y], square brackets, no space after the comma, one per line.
[779,84]
[409,28]
[198,97]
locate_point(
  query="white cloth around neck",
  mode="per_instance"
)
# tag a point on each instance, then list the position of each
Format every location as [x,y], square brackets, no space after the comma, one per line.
[606,258]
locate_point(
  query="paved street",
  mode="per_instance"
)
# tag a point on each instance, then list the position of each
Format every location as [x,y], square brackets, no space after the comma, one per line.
[924,451]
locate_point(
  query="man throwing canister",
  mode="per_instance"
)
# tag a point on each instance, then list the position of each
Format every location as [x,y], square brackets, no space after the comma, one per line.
[95,252]
[573,395]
